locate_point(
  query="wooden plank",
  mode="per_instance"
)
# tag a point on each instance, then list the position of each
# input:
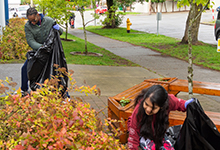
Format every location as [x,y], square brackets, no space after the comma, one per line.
[162,80]
[198,87]
[177,118]
[125,114]
[113,107]
[133,91]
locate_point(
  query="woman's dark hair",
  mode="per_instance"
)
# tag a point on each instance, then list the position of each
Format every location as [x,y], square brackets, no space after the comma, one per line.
[31,11]
[140,96]
[159,96]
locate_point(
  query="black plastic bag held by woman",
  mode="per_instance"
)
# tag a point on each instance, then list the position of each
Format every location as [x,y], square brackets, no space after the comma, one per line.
[198,131]
[41,64]
[172,133]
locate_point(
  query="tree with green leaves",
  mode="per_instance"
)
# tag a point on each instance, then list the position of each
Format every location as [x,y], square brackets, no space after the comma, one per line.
[80,4]
[113,20]
[191,32]
[63,9]
[196,9]
[163,3]
[156,2]
[110,4]
[173,2]
[42,5]
[125,3]
[24,2]
[60,11]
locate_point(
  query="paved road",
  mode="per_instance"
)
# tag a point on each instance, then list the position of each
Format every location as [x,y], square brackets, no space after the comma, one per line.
[172,24]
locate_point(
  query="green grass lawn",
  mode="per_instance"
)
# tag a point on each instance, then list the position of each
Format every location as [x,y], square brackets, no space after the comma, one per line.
[205,54]
[108,59]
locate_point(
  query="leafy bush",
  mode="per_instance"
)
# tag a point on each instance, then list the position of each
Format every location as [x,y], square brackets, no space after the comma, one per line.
[44,120]
[13,44]
[113,19]
[124,101]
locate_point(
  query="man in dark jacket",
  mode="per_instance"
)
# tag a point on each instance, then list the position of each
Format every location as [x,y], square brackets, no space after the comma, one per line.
[37,29]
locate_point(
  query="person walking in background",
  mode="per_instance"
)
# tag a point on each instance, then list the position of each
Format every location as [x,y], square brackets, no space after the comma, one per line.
[71,20]
[37,29]
[149,121]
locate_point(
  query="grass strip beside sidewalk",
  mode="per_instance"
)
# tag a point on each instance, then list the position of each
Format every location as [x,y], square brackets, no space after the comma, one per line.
[205,55]
[108,58]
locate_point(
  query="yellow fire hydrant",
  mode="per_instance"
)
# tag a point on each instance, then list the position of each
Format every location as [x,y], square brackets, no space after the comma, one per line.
[128,25]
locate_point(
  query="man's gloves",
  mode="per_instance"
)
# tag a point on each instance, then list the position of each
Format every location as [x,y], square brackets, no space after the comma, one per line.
[56,26]
[188,101]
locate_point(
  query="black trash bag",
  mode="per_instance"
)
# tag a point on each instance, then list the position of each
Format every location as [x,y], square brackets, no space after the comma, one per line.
[172,133]
[41,63]
[198,131]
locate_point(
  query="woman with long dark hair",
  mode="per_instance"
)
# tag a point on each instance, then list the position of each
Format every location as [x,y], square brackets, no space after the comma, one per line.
[149,121]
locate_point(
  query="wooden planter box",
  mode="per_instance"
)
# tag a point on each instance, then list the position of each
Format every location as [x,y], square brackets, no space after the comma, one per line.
[173,86]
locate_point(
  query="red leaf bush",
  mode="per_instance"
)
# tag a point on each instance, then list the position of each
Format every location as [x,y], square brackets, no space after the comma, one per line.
[44,120]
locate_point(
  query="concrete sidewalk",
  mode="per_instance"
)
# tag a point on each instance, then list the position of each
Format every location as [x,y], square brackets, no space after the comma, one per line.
[110,80]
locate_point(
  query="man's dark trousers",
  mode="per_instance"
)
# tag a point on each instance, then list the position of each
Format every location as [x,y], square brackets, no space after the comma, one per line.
[24,77]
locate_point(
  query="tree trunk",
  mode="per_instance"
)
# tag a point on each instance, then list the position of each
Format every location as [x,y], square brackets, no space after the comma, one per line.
[195,25]
[161,9]
[110,14]
[66,27]
[165,6]
[109,4]
[191,20]
[192,27]
[84,29]
[173,6]
[44,11]
[190,65]
[152,7]
[66,30]
[124,9]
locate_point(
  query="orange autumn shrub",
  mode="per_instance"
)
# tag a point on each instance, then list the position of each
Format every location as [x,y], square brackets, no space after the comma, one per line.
[44,120]
[13,44]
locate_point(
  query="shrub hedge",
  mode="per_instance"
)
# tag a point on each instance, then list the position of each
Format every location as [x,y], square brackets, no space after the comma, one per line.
[45,120]
[13,44]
